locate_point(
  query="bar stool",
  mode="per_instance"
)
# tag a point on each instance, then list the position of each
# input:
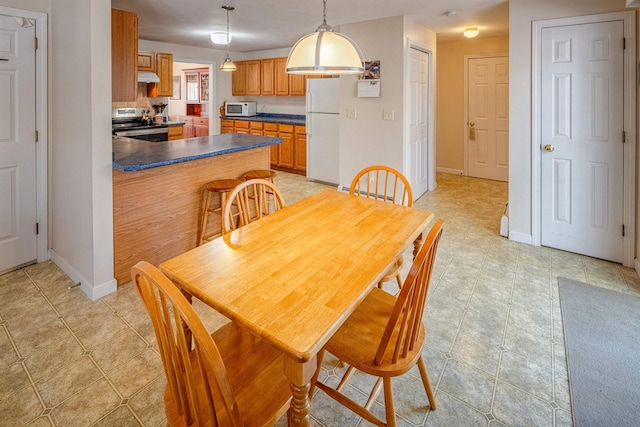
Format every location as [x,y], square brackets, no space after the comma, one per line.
[267,174]
[223,187]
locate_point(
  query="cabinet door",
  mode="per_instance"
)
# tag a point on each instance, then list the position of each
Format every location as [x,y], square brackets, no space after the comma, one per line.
[267,75]
[164,69]
[255,128]
[193,90]
[239,79]
[189,130]
[147,61]
[204,86]
[281,79]
[124,56]
[271,129]
[286,147]
[300,148]
[253,77]
[201,126]
[241,126]
[176,132]
[297,84]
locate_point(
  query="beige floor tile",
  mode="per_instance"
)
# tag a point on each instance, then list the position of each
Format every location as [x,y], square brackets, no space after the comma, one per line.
[494,347]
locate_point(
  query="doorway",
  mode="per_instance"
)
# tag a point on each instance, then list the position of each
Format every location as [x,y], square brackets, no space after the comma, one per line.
[420,159]
[584,135]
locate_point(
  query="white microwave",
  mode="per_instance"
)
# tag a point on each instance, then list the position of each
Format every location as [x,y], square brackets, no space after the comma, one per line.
[240,109]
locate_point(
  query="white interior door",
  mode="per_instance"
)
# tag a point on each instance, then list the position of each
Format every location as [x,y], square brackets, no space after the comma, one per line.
[488,118]
[582,157]
[418,129]
[18,245]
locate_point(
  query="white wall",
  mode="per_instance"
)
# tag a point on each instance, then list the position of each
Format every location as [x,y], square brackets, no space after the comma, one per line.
[80,177]
[521,15]
[368,139]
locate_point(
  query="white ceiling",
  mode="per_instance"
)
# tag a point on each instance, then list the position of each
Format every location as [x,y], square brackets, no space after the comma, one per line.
[271,24]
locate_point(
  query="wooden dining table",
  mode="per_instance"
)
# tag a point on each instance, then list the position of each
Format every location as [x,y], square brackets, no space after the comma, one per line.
[296,275]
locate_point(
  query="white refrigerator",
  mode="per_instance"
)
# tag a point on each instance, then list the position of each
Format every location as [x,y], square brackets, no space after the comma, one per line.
[323,117]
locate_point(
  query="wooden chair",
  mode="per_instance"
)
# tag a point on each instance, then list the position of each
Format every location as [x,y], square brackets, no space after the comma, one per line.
[229,378]
[384,337]
[387,185]
[249,201]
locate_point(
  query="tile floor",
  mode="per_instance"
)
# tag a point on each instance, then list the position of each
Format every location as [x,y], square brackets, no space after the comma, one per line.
[494,345]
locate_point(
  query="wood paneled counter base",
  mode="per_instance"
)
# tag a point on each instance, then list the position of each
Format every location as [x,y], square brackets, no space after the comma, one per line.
[156,211]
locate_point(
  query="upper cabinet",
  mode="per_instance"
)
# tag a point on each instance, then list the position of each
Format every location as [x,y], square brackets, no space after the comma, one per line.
[254,74]
[239,79]
[124,56]
[266,77]
[162,65]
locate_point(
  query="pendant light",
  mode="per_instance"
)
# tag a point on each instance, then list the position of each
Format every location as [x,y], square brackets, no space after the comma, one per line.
[325,52]
[228,64]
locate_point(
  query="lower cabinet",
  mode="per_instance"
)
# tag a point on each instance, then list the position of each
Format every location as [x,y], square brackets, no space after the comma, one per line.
[176,132]
[194,126]
[290,155]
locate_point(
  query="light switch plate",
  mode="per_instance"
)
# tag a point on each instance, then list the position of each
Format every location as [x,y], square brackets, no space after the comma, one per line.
[387,115]
[351,113]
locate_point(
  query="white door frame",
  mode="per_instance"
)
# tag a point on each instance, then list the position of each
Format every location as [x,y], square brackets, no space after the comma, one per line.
[431,136]
[629,202]
[466,102]
[42,159]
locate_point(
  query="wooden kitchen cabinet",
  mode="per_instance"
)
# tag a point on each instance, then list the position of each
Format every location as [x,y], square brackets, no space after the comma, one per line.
[176,132]
[201,126]
[147,61]
[254,72]
[226,126]
[189,130]
[300,148]
[297,84]
[124,56]
[255,128]
[281,78]
[241,126]
[286,155]
[267,77]
[239,79]
[162,65]
[290,155]
[271,129]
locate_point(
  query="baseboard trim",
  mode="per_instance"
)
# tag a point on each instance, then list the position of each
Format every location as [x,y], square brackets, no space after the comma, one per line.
[93,291]
[520,237]
[450,171]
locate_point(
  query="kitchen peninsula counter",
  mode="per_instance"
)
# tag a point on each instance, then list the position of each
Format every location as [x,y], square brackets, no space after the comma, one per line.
[158,191]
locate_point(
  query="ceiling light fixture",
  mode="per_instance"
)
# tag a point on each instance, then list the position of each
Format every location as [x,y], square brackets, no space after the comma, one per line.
[228,64]
[325,52]
[471,32]
[219,37]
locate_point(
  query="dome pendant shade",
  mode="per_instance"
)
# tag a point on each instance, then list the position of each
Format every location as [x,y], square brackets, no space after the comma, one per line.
[325,52]
[228,65]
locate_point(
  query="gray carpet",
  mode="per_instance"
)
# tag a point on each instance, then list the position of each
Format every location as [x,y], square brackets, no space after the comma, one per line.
[602,339]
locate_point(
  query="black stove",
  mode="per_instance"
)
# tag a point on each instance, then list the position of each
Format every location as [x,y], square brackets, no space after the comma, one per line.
[137,123]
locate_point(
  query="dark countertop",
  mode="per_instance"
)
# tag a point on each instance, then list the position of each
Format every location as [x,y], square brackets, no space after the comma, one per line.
[291,119]
[131,155]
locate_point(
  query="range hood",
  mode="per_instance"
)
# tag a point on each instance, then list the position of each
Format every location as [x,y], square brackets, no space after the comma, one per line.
[148,77]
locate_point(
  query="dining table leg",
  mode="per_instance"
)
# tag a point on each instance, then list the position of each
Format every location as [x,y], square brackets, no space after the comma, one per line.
[299,374]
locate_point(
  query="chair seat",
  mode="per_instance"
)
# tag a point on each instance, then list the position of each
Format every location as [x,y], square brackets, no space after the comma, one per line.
[267,174]
[252,366]
[223,185]
[363,332]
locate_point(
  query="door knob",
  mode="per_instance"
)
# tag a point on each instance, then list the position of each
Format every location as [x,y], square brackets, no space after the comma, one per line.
[472,130]
[549,147]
